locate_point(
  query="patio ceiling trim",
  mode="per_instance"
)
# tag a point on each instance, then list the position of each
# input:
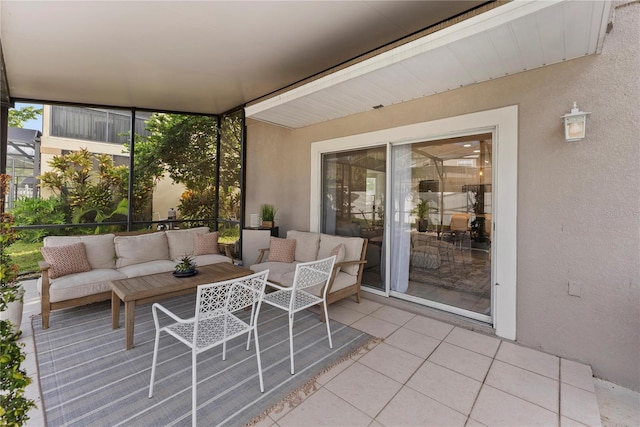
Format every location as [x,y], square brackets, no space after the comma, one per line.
[514,37]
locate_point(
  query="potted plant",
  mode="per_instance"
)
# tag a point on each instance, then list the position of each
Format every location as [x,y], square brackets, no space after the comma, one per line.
[14,407]
[186,267]
[268,215]
[422,210]
[479,238]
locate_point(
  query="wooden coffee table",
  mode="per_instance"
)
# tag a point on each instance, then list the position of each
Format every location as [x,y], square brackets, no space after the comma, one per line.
[161,286]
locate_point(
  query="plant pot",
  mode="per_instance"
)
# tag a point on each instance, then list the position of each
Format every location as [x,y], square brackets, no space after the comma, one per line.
[422,225]
[13,313]
[185,273]
[267,224]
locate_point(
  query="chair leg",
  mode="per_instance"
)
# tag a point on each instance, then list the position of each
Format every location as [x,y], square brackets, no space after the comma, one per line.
[224,343]
[252,323]
[153,364]
[326,315]
[255,333]
[194,394]
[46,310]
[291,341]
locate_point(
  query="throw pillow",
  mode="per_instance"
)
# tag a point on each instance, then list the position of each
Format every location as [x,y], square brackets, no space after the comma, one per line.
[65,260]
[206,243]
[339,251]
[282,250]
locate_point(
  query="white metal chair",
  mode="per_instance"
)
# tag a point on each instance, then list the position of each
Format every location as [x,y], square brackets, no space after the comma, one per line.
[214,322]
[296,298]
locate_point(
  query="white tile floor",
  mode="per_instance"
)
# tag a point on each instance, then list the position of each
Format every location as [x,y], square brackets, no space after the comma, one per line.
[428,372]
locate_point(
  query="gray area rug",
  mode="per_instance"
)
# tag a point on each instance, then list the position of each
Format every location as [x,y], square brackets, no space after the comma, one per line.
[87,378]
[464,274]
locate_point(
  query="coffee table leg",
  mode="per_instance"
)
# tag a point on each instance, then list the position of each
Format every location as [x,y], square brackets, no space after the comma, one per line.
[129,317]
[115,311]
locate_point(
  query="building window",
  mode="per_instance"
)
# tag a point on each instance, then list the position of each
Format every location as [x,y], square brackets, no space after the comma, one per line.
[93,124]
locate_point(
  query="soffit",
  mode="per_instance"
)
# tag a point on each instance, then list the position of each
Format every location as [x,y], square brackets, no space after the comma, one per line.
[512,38]
[192,56]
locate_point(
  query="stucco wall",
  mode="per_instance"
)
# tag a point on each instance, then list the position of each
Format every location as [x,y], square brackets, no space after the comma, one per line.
[578,203]
[277,173]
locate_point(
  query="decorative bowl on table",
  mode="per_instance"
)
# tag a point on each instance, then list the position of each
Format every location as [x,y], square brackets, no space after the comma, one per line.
[186,267]
[187,273]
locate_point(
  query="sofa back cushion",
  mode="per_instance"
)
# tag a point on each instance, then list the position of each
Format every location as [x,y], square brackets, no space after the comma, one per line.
[142,248]
[307,244]
[352,246]
[181,241]
[99,249]
[65,260]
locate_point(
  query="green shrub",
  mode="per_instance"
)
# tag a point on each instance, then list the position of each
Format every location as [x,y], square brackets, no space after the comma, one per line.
[31,211]
[14,406]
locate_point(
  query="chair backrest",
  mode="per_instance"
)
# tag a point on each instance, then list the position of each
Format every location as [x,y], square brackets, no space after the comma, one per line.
[216,299]
[313,273]
[459,222]
[419,239]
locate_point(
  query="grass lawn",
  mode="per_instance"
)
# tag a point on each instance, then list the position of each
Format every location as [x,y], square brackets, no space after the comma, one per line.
[25,255]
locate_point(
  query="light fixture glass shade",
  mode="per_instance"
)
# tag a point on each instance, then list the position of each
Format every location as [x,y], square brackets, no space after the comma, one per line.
[575,124]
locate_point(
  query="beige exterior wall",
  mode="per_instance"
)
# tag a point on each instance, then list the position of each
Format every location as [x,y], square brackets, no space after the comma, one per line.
[578,203]
[165,196]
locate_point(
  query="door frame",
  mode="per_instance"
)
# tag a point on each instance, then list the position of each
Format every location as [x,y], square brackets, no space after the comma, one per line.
[504,123]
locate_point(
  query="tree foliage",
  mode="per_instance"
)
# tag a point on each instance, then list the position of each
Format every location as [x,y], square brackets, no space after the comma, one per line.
[186,145]
[88,195]
[18,117]
[93,189]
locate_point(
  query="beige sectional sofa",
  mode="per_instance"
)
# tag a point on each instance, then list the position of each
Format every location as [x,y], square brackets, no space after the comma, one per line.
[80,268]
[347,273]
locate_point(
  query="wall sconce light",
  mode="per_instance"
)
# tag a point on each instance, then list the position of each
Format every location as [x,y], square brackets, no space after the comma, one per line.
[575,124]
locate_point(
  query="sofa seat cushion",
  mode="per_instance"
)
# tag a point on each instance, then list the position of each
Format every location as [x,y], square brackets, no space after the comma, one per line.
[210,259]
[80,285]
[307,244]
[276,269]
[99,248]
[341,281]
[131,250]
[181,242]
[353,250]
[149,267]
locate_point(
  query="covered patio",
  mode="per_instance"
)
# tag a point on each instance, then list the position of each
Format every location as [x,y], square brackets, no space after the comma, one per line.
[429,369]
[311,79]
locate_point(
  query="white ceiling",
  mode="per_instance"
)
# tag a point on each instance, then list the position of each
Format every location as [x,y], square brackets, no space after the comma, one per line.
[511,38]
[212,56]
[192,56]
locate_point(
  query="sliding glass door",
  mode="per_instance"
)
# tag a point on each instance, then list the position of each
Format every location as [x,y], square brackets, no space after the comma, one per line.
[440,205]
[353,203]
[446,185]
[441,222]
